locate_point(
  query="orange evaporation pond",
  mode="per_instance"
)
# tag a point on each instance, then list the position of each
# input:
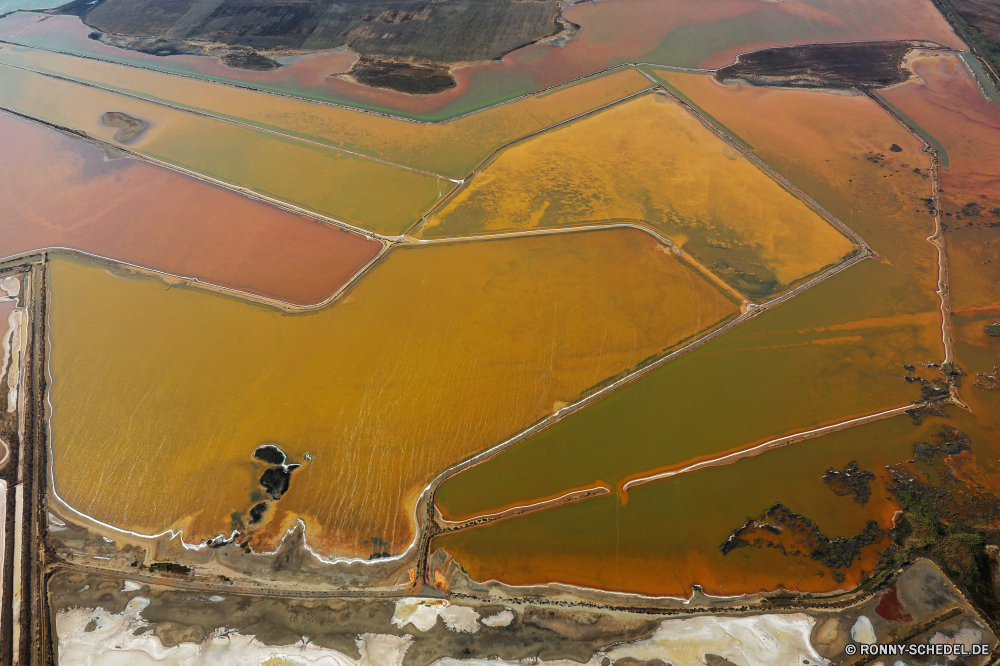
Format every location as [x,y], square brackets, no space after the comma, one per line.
[837,147]
[945,102]
[439,352]
[974,260]
[978,354]
[668,537]
[451,148]
[651,163]
[670,32]
[61,192]
[831,353]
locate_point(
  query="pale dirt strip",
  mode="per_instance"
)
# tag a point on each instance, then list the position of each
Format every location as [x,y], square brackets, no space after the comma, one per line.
[721,284]
[936,239]
[3,533]
[523,509]
[736,456]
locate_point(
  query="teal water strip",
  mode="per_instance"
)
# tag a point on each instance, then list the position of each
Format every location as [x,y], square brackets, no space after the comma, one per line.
[924,133]
[972,62]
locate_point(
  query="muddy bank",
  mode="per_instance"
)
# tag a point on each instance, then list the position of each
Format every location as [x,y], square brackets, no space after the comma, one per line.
[127,126]
[838,66]
[426,625]
[251,34]
[93,612]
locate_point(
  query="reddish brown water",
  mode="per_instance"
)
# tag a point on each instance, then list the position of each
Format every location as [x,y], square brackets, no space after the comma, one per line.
[60,192]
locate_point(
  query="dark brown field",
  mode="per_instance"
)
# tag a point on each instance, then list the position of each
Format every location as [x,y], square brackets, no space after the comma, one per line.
[872,64]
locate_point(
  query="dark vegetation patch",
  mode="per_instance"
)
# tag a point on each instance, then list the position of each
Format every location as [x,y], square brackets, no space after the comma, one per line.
[952,522]
[794,534]
[988,381]
[937,523]
[128,127]
[971,209]
[953,372]
[401,76]
[850,481]
[169,568]
[246,58]
[871,64]
[949,441]
[275,480]
[443,32]
[270,454]
[712,660]
[934,391]
[257,512]
[993,330]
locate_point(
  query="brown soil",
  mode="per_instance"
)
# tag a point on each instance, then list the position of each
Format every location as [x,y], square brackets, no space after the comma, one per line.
[870,64]
[127,126]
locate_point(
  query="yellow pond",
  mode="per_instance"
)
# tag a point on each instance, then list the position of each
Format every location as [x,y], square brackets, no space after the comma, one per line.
[651,163]
[451,148]
[359,191]
[439,352]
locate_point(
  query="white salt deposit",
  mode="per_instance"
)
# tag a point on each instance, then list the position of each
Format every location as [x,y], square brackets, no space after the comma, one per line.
[423,615]
[863,631]
[100,638]
[501,619]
